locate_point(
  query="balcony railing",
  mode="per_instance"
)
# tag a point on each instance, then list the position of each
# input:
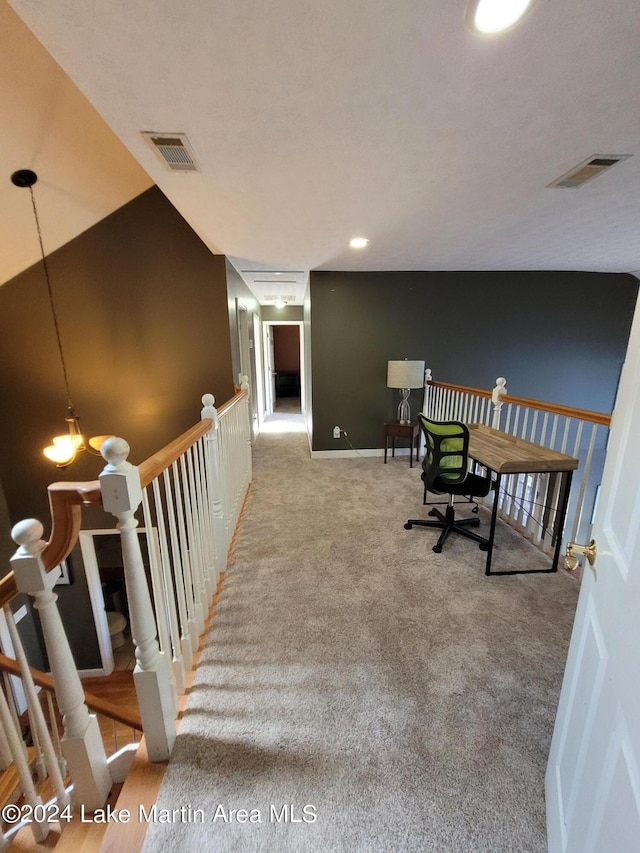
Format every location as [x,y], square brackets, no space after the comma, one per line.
[528,501]
[188,497]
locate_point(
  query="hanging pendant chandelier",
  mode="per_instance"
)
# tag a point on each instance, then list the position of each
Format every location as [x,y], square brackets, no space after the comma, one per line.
[64,448]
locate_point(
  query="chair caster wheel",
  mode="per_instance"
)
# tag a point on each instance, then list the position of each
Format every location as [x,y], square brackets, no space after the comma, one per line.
[484,546]
[475,509]
[476,523]
[436,549]
[432,512]
[408,526]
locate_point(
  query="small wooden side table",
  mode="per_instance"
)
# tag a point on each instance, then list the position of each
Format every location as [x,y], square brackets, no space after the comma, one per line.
[394,429]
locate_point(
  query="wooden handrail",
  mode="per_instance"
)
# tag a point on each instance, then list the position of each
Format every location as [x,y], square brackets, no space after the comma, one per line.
[156,464]
[552,408]
[95,703]
[8,589]
[566,411]
[478,392]
[231,402]
[67,499]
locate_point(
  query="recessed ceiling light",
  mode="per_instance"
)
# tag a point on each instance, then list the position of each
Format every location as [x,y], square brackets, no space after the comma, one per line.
[494,16]
[359,243]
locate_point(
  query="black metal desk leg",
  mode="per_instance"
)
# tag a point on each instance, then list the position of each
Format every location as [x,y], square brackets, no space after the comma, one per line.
[563,504]
[492,529]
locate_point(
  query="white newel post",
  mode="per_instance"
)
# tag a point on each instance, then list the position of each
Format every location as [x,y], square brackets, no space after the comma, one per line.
[244,386]
[213,475]
[427,393]
[496,398]
[121,496]
[82,743]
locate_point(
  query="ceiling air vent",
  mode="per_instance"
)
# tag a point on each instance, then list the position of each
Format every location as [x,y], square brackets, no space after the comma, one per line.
[290,298]
[174,151]
[588,169]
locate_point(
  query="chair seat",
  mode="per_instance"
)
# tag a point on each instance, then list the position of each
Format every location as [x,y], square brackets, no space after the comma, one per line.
[473,484]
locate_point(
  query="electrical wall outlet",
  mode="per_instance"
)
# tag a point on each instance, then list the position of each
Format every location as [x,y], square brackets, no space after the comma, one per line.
[336,432]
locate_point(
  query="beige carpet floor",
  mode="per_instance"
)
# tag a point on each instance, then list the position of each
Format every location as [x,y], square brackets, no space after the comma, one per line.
[358,692]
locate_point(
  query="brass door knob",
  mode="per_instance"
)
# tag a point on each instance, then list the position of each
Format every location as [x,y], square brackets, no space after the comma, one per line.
[589,551]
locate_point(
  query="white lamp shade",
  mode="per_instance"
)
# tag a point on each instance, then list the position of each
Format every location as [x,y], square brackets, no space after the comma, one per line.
[405,374]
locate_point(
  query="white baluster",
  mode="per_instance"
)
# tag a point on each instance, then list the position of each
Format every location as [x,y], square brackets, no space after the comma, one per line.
[11,701]
[5,752]
[586,467]
[185,638]
[82,743]
[197,545]
[40,829]
[189,587]
[212,452]
[201,607]
[169,590]
[248,429]
[498,392]
[53,728]
[36,712]
[426,402]
[158,592]
[204,519]
[121,496]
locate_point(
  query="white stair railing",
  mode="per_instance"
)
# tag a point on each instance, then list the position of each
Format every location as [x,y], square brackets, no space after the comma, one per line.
[121,496]
[528,502]
[82,743]
[191,494]
[41,733]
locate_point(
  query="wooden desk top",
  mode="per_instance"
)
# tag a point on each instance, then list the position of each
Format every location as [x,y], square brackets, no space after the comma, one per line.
[506,454]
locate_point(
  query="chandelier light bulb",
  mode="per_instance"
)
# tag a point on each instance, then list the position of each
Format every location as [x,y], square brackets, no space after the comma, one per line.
[62,451]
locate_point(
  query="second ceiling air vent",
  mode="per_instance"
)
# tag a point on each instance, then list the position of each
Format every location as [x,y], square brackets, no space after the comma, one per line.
[174,150]
[585,171]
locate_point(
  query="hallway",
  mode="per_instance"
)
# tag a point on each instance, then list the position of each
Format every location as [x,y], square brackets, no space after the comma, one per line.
[403,698]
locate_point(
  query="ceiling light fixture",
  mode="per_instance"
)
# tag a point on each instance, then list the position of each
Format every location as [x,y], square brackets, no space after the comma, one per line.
[280,303]
[495,16]
[64,448]
[359,243]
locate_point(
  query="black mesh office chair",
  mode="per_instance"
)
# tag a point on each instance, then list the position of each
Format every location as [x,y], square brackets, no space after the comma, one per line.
[445,470]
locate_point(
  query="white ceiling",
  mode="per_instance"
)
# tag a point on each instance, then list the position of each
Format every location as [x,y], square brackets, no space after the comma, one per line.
[313,123]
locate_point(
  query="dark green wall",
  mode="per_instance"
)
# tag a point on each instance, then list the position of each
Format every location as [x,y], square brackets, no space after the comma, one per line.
[271,314]
[557,336]
[142,307]
[238,290]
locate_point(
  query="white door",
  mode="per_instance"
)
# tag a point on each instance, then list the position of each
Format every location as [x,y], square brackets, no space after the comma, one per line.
[270,372]
[593,775]
[259,370]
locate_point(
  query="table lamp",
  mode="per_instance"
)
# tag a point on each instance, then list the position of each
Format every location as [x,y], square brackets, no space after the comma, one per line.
[405,375]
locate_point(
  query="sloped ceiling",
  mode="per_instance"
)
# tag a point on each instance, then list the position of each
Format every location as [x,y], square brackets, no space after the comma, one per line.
[314,123]
[84,171]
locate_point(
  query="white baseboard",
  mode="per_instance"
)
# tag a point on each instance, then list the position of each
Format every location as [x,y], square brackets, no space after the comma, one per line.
[92,673]
[350,454]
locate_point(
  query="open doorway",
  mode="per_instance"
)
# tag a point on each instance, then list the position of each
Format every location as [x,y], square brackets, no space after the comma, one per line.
[104,568]
[284,367]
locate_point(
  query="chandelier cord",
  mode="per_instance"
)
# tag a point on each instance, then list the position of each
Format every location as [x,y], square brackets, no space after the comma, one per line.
[52,303]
